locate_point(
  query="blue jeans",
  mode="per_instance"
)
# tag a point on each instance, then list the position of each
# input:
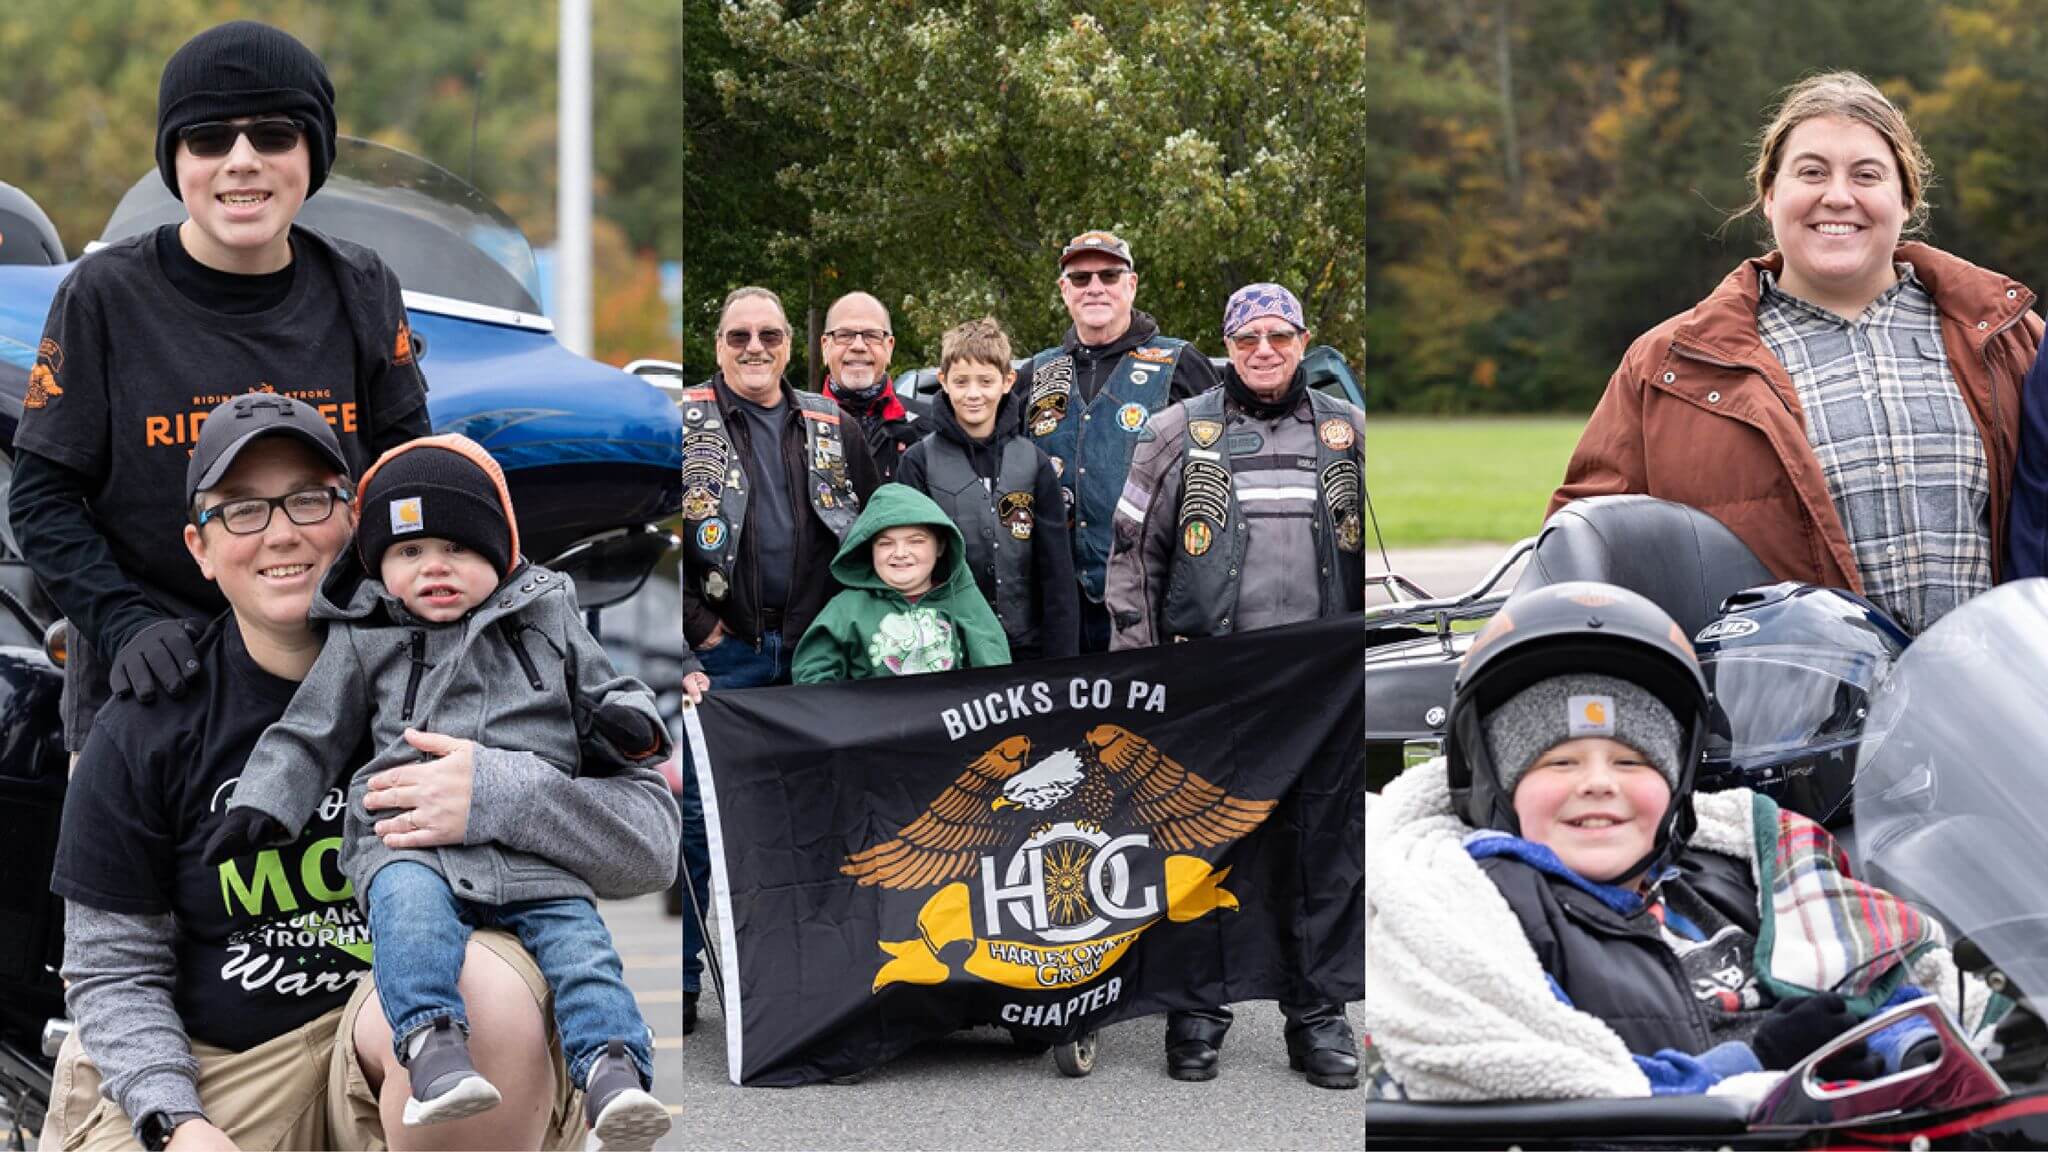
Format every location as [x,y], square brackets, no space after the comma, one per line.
[730,664]
[421,929]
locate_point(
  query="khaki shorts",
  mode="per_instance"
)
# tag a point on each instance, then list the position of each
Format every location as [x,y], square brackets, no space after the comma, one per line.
[304,1089]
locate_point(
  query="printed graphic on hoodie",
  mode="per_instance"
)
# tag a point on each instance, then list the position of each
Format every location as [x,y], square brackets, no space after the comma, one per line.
[912,642]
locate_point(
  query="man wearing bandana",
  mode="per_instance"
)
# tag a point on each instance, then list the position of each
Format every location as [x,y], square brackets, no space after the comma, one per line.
[1241,512]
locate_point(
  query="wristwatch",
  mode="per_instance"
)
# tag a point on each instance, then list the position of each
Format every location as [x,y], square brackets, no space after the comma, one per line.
[155,1129]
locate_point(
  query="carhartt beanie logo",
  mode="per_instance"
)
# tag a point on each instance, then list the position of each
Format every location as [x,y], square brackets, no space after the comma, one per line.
[1571,707]
[429,491]
[243,68]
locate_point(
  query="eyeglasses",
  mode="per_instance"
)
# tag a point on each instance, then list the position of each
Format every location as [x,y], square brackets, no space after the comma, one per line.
[250,516]
[1108,276]
[1281,340]
[844,337]
[217,137]
[738,339]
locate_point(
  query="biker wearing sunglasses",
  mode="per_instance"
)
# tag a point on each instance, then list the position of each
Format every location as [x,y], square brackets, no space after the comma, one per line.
[1085,402]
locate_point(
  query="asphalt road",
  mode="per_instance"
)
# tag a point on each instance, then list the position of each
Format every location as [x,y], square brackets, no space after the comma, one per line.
[972,1090]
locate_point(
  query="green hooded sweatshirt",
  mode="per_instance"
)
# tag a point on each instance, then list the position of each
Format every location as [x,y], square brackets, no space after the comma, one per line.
[870,629]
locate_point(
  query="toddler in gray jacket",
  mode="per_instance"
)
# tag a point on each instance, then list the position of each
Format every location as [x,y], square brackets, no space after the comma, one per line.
[447,629]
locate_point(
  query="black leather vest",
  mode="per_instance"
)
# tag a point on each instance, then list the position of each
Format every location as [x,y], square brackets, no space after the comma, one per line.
[997,525]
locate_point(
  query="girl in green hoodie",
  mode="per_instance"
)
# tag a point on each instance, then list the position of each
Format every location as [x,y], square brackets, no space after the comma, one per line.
[909,605]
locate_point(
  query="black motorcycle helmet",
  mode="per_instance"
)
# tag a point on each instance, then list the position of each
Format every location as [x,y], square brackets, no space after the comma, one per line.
[1790,670]
[1575,627]
[26,234]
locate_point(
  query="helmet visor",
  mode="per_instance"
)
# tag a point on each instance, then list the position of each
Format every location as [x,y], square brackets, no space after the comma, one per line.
[1769,703]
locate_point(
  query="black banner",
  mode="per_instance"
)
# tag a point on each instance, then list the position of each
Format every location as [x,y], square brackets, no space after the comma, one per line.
[1054,847]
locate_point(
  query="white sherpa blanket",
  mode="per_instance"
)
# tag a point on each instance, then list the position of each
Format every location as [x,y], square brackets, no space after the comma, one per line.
[1456,1002]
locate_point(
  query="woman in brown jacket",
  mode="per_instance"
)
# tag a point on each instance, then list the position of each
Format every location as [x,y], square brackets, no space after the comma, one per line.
[1847,404]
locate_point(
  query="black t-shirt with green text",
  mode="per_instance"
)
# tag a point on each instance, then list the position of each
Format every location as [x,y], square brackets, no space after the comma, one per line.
[267,941]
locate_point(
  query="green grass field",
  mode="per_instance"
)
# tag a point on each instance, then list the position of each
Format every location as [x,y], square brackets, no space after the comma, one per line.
[1445,480]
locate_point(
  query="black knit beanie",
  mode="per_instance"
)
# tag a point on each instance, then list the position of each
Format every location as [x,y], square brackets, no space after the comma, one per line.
[435,492]
[243,68]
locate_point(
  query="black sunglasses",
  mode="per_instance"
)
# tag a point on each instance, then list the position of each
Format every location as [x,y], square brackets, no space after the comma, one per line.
[217,137]
[1108,276]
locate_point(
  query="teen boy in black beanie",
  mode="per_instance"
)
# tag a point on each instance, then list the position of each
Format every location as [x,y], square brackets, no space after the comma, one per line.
[149,334]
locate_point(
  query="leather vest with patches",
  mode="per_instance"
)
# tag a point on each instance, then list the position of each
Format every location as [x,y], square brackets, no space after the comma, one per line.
[1210,533]
[997,526]
[715,488]
[1092,444]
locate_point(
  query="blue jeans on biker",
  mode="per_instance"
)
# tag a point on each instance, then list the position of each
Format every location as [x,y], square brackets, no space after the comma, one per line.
[420,929]
[731,663]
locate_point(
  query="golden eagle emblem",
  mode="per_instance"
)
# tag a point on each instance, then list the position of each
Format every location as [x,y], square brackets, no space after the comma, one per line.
[1117,781]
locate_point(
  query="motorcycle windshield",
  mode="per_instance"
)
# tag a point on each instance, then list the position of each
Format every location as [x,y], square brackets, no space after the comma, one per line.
[1952,781]
[437,232]
[1774,702]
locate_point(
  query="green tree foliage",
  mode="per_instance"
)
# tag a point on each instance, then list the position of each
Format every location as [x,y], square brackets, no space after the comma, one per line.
[428,76]
[1551,179]
[940,153]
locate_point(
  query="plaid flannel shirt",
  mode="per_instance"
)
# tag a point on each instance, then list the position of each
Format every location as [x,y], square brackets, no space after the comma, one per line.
[1897,445]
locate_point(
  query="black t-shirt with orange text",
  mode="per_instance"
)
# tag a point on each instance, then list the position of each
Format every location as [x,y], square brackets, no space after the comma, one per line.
[129,367]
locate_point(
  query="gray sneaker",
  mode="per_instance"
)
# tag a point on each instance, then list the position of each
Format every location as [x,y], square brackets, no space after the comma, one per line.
[445,1085]
[625,1116]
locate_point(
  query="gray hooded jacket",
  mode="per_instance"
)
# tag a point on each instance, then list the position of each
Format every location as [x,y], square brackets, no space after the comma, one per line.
[517,675]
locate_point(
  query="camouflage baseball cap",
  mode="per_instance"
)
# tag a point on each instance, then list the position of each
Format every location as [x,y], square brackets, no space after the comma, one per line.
[1106,243]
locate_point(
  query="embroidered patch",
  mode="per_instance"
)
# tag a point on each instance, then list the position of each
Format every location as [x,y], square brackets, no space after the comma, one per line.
[1349,534]
[1589,716]
[1205,493]
[1336,434]
[693,415]
[1196,538]
[1059,466]
[699,503]
[714,585]
[1014,510]
[1131,417]
[1205,432]
[1153,355]
[710,534]
[401,348]
[1046,404]
[706,458]
[406,516]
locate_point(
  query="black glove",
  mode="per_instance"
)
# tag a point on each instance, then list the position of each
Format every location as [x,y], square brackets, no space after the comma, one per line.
[241,831]
[1796,1027]
[158,658]
[631,731]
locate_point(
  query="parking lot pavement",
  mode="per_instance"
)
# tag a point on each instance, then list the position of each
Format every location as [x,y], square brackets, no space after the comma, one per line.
[973,1090]
[651,945]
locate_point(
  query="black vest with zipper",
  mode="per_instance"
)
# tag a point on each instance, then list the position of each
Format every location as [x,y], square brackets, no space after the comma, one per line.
[997,523]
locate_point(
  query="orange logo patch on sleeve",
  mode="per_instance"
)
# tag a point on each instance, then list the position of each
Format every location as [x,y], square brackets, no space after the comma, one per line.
[401,349]
[42,384]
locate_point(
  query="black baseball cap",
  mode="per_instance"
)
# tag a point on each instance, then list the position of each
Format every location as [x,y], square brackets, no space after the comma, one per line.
[230,427]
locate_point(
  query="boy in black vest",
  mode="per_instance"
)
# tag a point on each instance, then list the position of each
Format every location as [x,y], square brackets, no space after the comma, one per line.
[1002,491]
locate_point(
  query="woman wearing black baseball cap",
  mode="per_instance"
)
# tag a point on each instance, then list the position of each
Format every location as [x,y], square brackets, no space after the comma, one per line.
[234,1002]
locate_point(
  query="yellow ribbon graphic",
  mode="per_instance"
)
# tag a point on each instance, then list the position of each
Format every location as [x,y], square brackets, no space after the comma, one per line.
[1192,891]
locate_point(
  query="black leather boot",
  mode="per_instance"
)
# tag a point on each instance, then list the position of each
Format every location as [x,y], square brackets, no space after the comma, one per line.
[1192,1060]
[689,1013]
[1320,1044]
